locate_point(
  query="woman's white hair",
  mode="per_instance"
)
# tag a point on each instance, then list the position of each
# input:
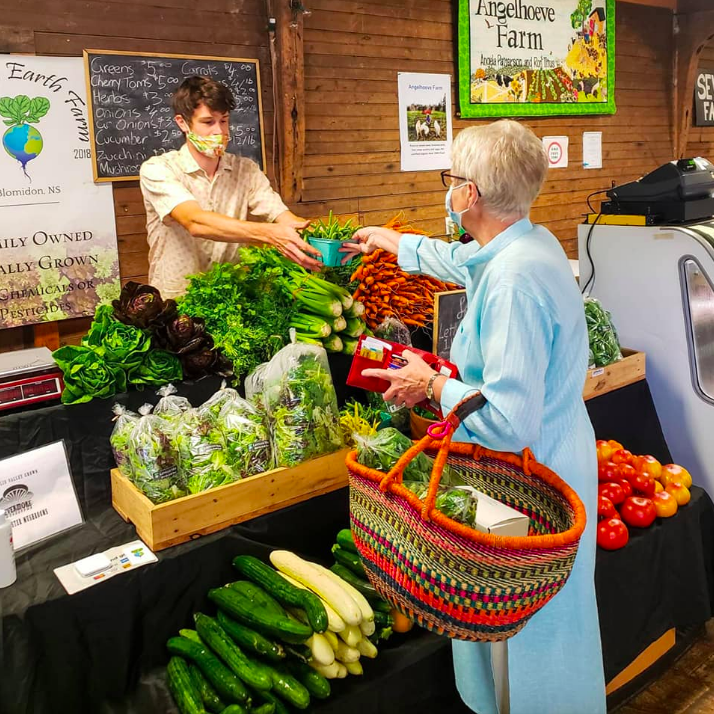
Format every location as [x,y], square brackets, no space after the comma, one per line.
[506,161]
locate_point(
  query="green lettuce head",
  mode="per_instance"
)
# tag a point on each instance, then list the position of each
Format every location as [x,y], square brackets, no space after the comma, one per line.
[117,343]
[87,375]
[158,367]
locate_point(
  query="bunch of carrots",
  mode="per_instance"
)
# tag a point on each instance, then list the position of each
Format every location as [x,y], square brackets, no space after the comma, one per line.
[386,291]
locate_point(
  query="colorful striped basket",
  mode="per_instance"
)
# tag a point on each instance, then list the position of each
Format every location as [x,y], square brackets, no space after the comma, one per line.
[448,577]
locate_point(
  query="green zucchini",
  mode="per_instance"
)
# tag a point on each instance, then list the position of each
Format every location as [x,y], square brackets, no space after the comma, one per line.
[250,639]
[267,708]
[289,689]
[283,591]
[191,635]
[311,679]
[182,687]
[236,709]
[346,540]
[349,560]
[253,674]
[258,596]
[363,586]
[270,698]
[381,605]
[223,680]
[383,619]
[250,612]
[211,701]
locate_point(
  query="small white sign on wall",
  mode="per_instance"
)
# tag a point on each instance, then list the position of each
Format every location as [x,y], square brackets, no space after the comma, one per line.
[424,121]
[557,149]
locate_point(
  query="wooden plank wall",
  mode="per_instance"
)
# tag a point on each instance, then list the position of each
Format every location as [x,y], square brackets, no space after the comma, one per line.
[225,28]
[701,138]
[353,51]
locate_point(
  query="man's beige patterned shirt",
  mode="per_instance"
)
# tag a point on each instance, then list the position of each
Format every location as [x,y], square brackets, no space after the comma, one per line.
[239,189]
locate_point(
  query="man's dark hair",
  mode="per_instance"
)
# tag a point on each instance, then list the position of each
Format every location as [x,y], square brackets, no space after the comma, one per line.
[201,90]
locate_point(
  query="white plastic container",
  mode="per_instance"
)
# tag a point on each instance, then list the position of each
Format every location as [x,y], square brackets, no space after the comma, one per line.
[8,575]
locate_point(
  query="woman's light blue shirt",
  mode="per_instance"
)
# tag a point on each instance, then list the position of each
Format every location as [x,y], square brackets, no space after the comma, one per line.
[523,342]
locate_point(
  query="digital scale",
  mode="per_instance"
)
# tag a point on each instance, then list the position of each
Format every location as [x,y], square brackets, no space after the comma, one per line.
[28,377]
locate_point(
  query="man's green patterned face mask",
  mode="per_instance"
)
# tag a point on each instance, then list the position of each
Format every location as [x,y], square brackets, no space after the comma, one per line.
[213,145]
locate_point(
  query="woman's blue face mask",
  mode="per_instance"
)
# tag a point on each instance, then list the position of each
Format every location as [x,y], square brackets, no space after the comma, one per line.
[455,216]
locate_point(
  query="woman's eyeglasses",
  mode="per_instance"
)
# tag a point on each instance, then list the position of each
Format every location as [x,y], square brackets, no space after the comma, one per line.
[447,179]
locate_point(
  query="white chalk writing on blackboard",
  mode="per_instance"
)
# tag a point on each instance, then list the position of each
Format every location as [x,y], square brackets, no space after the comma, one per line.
[132,119]
[449,311]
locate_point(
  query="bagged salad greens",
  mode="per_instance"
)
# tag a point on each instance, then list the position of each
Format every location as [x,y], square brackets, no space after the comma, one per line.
[201,450]
[219,399]
[301,403]
[153,458]
[124,423]
[382,450]
[247,438]
[602,336]
[458,502]
[170,406]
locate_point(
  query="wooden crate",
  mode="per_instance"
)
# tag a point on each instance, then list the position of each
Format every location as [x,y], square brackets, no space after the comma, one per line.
[166,524]
[602,380]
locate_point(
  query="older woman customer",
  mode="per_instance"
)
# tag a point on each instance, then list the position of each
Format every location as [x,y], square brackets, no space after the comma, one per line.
[523,343]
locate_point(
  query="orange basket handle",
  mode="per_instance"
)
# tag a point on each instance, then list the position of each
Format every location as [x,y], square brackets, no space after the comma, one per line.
[442,432]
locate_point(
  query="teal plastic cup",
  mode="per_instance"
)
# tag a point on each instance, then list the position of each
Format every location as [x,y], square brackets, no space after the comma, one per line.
[330,250]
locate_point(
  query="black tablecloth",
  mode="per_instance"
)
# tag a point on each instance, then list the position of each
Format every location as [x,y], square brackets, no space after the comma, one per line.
[102,650]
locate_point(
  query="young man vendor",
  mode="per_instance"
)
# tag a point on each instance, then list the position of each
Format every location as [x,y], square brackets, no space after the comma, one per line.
[199,199]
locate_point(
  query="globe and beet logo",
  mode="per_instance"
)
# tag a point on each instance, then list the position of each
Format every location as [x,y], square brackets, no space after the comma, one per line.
[22,140]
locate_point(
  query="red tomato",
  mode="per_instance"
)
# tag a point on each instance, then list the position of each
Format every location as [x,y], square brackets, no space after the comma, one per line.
[643,485]
[638,512]
[612,534]
[613,491]
[626,486]
[605,508]
[665,504]
[627,472]
[621,456]
[607,471]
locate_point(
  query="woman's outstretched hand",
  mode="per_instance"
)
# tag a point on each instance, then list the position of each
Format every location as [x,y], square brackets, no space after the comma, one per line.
[367,240]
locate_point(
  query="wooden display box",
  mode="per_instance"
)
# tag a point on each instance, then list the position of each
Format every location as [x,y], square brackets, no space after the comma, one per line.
[163,525]
[601,380]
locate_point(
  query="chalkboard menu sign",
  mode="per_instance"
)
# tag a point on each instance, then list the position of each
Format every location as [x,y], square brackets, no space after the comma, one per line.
[449,311]
[130,111]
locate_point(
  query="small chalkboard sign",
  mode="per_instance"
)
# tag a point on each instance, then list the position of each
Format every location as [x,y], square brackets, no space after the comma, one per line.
[130,111]
[449,311]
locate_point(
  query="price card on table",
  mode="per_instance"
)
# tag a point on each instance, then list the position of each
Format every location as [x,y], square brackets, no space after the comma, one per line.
[37,494]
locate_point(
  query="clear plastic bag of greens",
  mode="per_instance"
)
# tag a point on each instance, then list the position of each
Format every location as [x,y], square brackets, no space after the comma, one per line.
[170,406]
[382,450]
[153,458]
[201,449]
[124,423]
[602,336]
[301,404]
[247,436]
[458,502]
[215,403]
[255,386]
